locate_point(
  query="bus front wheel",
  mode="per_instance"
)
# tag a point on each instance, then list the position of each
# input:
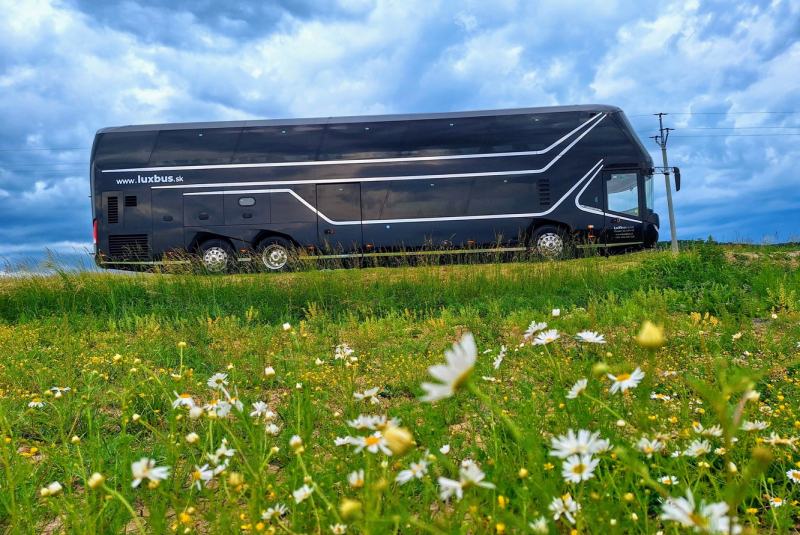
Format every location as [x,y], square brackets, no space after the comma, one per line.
[548,241]
[217,256]
[274,253]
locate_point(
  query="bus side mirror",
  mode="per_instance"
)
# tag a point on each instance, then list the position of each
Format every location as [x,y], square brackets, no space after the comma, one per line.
[677,178]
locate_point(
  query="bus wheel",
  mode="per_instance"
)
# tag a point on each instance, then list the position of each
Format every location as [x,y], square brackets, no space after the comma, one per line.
[274,253]
[217,255]
[548,241]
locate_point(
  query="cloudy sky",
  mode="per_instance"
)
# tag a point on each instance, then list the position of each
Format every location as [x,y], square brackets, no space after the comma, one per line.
[726,71]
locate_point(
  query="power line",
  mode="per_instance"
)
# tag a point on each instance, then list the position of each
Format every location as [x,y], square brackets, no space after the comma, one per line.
[720,113]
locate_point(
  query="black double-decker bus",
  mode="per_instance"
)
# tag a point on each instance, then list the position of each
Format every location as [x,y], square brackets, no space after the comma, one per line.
[531,178]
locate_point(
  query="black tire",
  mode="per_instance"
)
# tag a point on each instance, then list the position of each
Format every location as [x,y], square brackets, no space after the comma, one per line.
[275,253]
[217,256]
[549,241]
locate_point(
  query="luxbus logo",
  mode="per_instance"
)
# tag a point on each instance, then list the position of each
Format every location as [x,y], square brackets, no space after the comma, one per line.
[155,179]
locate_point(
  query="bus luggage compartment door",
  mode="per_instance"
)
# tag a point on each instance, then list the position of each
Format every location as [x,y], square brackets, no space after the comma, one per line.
[339,218]
[167,221]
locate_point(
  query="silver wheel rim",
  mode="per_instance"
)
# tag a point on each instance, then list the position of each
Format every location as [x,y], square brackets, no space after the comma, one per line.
[215,259]
[549,244]
[274,256]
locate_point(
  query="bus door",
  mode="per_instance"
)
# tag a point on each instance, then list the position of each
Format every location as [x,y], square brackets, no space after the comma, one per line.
[624,226]
[590,232]
[339,218]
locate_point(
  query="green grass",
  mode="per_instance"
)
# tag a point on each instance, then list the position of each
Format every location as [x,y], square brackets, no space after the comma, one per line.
[116,341]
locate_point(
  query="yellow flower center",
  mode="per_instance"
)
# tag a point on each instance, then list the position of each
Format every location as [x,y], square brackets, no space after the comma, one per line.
[185,396]
[795,475]
[623,377]
[372,441]
[698,520]
[196,475]
[579,468]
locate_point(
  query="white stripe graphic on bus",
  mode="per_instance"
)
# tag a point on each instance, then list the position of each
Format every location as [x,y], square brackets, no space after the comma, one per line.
[596,119]
[593,172]
[385,178]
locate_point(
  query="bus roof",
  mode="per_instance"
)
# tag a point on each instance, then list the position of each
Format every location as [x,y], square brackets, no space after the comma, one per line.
[597,108]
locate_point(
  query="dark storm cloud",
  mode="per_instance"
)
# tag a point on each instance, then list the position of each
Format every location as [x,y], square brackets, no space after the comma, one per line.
[68,69]
[176,23]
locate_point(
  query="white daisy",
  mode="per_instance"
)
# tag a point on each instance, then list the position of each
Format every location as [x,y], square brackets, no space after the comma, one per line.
[370,395]
[546,337]
[218,381]
[372,443]
[577,389]
[756,425]
[415,470]
[590,337]
[455,374]
[363,422]
[274,512]
[356,478]
[774,501]
[262,410]
[660,397]
[500,357]
[303,493]
[579,468]
[564,505]
[470,476]
[338,529]
[649,447]
[712,518]
[444,450]
[36,403]
[201,474]
[539,526]
[342,351]
[343,441]
[556,312]
[698,448]
[668,480]
[585,442]
[184,400]
[534,328]
[625,381]
[272,429]
[146,468]
[713,431]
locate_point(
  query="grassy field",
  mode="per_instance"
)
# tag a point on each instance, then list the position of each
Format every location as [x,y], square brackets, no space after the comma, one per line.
[354,401]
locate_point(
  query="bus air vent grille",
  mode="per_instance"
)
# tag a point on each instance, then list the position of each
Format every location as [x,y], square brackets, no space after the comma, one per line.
[544,192]
[134,246]
[113,209]
[130,200]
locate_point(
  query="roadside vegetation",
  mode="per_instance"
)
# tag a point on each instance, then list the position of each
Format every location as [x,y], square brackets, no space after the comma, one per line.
[631,394]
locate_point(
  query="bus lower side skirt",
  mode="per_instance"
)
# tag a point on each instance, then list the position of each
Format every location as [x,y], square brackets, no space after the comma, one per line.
[408,253]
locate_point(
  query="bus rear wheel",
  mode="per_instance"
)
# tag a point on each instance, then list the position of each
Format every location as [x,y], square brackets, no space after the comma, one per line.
[274,253]
[548,241]
[217,256]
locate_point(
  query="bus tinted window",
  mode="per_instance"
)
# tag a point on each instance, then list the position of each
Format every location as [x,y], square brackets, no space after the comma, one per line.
[519,133]
[363,140]
[447,137]
[271,144]
[195,147]
[118,150]
[425,198]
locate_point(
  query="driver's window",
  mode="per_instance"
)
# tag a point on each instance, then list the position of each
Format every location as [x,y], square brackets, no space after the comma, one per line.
[623,193]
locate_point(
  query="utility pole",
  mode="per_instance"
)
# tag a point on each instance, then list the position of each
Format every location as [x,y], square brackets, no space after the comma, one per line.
[661,140]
